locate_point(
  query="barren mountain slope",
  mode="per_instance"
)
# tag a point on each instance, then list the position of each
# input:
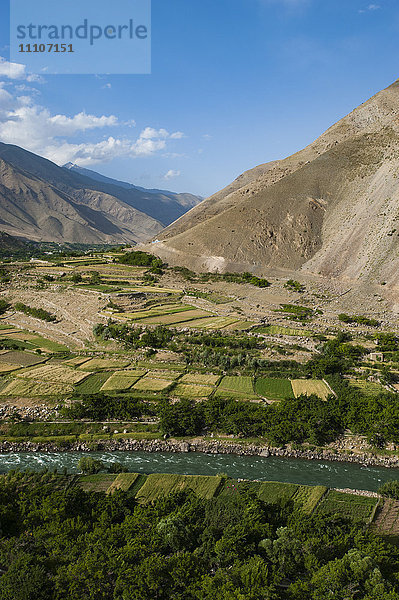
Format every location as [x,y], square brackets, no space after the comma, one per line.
[331,209]
[33,208]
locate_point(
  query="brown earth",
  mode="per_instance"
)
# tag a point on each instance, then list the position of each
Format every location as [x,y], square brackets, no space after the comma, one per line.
[330,211]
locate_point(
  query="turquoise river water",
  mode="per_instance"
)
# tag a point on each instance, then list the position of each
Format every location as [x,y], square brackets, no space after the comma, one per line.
[331,474]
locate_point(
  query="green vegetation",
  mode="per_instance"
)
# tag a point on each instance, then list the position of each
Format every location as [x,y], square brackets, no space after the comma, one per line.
[297,313]
[294,286]
[274,389]
[351,506]
[4,306]
[60,541]
[359,320]
[37,313]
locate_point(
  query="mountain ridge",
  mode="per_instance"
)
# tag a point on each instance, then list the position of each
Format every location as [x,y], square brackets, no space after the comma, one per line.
[316,211]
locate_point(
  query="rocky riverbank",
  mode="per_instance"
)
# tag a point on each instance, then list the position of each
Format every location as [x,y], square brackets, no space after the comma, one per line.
[200,445]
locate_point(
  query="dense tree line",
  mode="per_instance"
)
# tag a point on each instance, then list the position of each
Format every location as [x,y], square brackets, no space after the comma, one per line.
[37,313]
[62,543]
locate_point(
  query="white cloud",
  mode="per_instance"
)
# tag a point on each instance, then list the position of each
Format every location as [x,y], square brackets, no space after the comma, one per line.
[171,174]
[370,7]
[11,70]
[107,86]
[25,123]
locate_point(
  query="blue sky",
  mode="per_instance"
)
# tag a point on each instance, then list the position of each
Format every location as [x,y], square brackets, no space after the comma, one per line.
[234,83]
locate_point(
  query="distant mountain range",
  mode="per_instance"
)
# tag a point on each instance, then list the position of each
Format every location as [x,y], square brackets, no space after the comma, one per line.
[41,201]
[330,210]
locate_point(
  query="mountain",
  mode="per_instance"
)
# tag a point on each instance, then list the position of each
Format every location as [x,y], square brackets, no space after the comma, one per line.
[330,210]
[43,202]
[162,205]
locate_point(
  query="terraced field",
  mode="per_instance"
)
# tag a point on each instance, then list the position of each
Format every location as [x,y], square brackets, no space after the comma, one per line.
[120,380]
[309,387]
[387,518]
[354,507]
[274,389]
[158,485]
[123,481]
[97,364]
[235,386]
[186,390]
[149,384]
[54,373]
[27,388]
[200,378]
[7,368]
[93,383]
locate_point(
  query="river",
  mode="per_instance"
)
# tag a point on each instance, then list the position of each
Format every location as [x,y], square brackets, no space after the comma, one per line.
[331,474]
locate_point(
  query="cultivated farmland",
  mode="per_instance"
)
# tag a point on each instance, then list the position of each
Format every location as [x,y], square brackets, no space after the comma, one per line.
[184,390]
[56,373]
[309,387]
[241,386]
[123,482]
[355,507]
[149,384]
[27,388]
[97,364]
[274,389]
[200,378]
[120,380]
[93,383]
[158,485]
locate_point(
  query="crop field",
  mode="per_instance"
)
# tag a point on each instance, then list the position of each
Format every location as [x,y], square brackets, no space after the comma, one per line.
[158,485]
[55,373]
[200,378]
[77,361]
[27,388]
[240,385]
[97,364]
[93,383]
[387,518]
[157,311]
[310,386]
[370,388]
[275,492]
[357,508]
[185,390]
[123,482]
[160,366]
[148,384]
[213,322]
[274,389]
[158,374]
[7,368]
[120,380]
[308,497]
[96,483]
[23,359]
[175,318]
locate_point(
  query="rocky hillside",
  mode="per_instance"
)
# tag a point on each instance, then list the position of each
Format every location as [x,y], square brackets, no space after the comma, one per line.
[43,202]
[330,210]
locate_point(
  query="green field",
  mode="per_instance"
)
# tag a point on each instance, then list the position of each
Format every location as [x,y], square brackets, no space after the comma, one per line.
[120,380]
[309,387]
[77,361]
[96,483]
[357,508]
[274,389]
[370,388]
[158,485]
[242,386]
[308,497]
[123,481]
[274,492]
[186,390]
[93,383]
